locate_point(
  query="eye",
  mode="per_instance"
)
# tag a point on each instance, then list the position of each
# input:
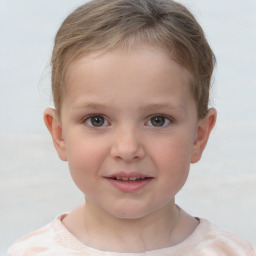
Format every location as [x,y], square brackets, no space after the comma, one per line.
[96,121]
[159,121]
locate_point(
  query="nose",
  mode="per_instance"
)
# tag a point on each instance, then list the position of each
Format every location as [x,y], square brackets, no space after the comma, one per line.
[127,145]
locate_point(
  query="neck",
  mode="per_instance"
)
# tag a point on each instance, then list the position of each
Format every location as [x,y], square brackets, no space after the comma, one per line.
[107,232]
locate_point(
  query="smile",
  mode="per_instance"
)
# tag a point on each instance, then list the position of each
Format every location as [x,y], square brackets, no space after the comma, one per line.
[130,178]
[129,183]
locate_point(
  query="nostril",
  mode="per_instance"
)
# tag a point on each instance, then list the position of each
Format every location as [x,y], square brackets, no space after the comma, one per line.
[127,153]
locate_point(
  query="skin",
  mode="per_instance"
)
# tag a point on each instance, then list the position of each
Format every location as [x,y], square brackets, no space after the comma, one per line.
[130,114]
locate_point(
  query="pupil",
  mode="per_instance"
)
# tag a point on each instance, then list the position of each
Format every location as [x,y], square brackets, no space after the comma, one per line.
[97,121]
[158,121]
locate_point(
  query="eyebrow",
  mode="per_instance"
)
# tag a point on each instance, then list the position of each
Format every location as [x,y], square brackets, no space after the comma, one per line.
[146,108]
[90,105]
[163,106]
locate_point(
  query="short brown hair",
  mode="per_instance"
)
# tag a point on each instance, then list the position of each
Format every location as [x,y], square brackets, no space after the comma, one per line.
[104,24]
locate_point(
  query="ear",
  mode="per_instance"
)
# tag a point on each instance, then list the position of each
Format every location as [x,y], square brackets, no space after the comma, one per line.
[204,129]
[54,126]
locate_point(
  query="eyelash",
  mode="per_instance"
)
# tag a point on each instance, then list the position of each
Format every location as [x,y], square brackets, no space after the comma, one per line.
[88,120]
[167,120]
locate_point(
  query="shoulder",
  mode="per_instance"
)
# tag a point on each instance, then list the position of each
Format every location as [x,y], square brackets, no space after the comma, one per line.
[214,241]
[47,240]
[32,243]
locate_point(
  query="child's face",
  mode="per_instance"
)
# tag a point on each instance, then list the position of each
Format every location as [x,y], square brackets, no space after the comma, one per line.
[129,115]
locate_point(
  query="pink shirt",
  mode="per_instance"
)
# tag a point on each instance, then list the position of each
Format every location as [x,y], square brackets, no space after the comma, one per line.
[55,239]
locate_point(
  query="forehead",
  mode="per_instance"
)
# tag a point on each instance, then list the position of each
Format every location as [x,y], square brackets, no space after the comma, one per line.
[148,57]
[128,79]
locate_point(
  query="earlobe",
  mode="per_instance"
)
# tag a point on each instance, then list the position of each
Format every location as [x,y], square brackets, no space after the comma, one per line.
[204,129]
[54,126]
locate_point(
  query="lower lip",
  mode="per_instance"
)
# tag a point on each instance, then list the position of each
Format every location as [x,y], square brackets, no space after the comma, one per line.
[129,186]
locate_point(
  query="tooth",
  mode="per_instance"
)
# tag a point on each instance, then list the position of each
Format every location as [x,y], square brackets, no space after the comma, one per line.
[118,178]
[125,179]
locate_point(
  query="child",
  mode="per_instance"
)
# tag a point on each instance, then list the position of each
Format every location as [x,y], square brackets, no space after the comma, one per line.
[130,81]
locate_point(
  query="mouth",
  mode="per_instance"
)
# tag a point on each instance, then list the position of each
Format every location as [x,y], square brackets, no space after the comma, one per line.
[129,182]
[130,179]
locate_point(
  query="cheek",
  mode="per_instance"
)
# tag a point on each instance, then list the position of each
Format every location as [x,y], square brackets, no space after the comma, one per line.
[84,151]
[172,159]
[174,152]
[85,158]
